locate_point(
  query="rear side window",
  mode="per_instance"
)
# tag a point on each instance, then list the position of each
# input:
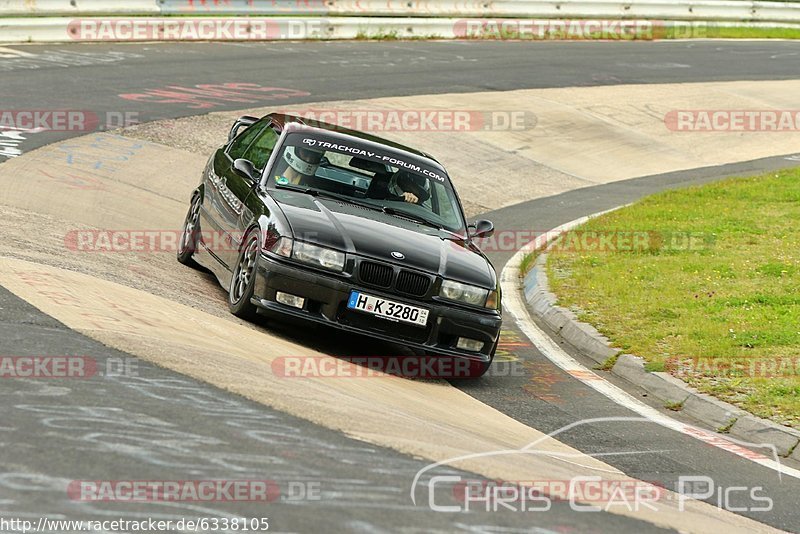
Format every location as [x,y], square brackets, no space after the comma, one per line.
[244,139]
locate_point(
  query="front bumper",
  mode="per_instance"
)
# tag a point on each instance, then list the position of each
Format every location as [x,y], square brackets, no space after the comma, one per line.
[326,303]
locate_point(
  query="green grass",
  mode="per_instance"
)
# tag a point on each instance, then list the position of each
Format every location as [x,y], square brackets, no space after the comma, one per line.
[733,296]
[392,35]
[726,428]
[608,364]
[656,33]
[674,406]
[751,33]
[378,35]
[527,262]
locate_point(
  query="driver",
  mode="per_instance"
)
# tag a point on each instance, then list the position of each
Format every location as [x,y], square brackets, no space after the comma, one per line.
[302,164]
[408,187]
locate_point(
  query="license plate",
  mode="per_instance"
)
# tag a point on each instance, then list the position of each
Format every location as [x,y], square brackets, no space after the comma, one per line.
[387,309]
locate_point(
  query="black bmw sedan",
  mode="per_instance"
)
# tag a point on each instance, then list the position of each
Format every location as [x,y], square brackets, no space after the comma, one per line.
[348,230]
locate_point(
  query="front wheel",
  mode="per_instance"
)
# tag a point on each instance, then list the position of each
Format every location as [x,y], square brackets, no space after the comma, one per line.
[471,370]
[478,369]
[243,280]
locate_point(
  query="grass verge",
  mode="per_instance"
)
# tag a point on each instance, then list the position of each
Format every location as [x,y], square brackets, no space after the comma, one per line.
[701,282]
[738,32]
[527,262]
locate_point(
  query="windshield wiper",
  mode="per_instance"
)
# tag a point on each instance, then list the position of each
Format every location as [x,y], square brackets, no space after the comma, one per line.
[326,194]
[406,215]
[299,189]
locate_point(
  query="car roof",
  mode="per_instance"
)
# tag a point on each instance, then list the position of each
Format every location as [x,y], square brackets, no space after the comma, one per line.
[284,121]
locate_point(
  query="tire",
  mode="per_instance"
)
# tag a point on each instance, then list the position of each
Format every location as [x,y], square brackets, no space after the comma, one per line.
[243,279]
[191,231]
[478,369]
[475,369]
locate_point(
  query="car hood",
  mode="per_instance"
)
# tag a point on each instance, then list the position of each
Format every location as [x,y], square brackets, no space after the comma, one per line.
[372,234]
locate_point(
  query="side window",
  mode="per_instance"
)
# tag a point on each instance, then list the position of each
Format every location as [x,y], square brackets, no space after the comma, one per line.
[446,208]
[260,151]
[243,140]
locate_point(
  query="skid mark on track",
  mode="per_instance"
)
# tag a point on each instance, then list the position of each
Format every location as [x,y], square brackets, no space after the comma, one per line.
[13,59]
[208,96]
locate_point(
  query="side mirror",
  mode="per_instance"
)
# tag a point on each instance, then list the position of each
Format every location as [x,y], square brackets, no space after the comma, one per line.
[481,228]
[245,169]
[242,122]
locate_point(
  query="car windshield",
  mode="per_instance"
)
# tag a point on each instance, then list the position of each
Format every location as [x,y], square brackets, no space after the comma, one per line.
[380,179]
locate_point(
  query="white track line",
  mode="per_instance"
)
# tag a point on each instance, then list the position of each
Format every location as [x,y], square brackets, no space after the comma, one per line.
[513,303]
[12,53]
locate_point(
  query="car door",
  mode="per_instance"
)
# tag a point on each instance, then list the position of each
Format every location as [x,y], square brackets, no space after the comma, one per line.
[259,154]
[219,203]
[217,220]
[241,189]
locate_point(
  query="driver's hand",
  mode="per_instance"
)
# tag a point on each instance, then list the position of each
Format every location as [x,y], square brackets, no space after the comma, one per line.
[411,198]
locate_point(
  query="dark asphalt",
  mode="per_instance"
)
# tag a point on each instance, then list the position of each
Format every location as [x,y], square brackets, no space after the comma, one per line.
[212,434]
[153,424]
[92,76]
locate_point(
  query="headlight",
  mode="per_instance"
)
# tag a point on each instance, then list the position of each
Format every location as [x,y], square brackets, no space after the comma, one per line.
[327,258]
[283,247]
[464,293]
[317,256]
